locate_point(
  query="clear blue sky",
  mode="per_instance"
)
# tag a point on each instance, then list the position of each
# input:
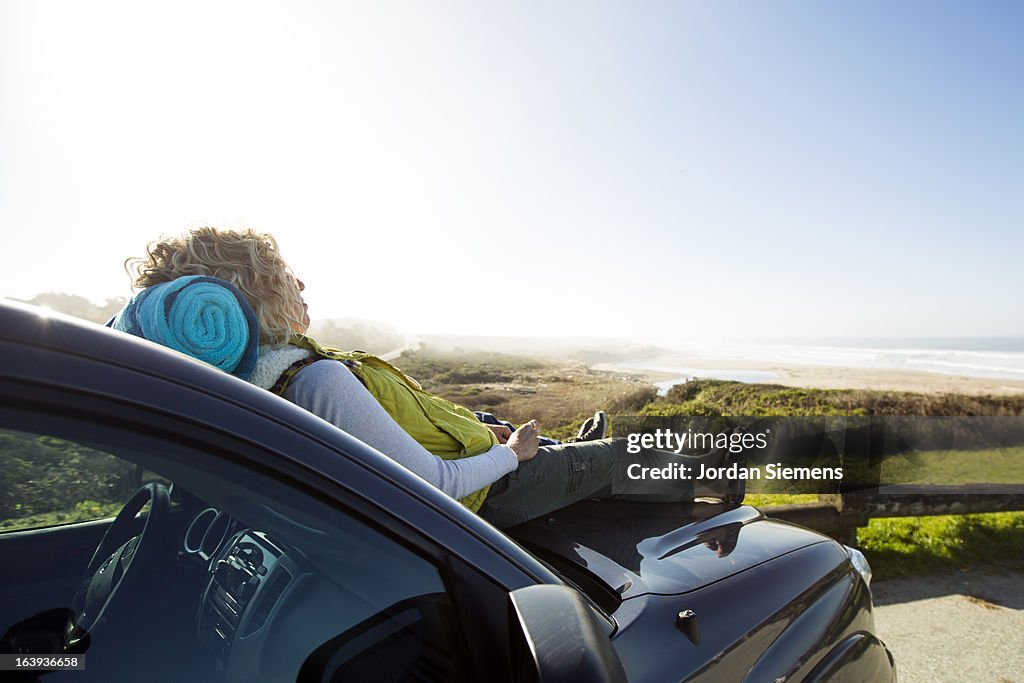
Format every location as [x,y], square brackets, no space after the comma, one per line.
[644,169]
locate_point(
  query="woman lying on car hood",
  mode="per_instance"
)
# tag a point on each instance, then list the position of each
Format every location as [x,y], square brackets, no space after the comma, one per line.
[505,477]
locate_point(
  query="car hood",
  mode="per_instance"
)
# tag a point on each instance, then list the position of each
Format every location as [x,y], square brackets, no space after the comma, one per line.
[660,548]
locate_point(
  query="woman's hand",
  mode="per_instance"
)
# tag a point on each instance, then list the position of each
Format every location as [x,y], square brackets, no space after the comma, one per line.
[524,441]
[501,431]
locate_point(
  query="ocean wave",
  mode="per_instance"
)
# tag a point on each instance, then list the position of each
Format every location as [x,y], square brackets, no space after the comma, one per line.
[994,364]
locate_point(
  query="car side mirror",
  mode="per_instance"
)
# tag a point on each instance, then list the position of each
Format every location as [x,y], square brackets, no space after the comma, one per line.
[560,639]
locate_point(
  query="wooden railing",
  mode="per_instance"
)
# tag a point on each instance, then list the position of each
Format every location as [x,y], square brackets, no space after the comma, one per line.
[839,515]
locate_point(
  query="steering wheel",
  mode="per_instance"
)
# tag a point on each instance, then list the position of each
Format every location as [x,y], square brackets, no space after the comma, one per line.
[121,560]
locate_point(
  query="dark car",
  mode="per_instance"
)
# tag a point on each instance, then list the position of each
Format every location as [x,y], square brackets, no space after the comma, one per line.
[164,521]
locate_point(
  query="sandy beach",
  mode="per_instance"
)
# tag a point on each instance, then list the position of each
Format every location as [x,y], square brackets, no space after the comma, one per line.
[660,370]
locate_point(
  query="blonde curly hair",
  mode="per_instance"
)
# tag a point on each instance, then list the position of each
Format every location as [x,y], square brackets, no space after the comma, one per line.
[248,259]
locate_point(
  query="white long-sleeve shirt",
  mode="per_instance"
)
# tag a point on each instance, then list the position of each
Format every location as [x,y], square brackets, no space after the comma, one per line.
[329,389]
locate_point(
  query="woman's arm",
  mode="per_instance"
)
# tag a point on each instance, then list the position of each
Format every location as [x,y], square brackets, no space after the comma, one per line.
[328,389]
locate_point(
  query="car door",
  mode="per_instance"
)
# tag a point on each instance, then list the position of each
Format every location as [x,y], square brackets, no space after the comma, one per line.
[307,579]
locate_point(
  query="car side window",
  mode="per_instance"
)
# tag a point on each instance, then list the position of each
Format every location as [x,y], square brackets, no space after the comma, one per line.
[47,481]
[249,576]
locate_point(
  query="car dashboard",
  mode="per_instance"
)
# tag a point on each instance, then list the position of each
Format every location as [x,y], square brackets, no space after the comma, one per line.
[247,583]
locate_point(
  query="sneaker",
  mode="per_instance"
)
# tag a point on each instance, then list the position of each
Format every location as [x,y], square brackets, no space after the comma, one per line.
[594,428]
[587,425]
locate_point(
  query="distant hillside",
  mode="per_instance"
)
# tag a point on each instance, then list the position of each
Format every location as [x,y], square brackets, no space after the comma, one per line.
[78,306]
[583,349]
[352,334]
[345,333]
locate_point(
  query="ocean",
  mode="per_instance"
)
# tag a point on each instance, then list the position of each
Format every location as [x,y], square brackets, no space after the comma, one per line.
[990,357]
[986,357]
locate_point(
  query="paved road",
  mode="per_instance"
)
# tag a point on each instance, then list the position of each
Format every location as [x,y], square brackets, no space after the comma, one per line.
[411,344]
[963,626]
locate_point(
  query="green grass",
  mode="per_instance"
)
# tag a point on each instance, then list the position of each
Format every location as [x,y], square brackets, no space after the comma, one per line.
[914,546]
[947,468]
[990,466]
[762,499]
[84,511]
[911,546]
[718,397]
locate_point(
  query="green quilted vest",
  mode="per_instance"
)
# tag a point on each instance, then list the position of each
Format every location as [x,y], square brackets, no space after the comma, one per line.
[442,427]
